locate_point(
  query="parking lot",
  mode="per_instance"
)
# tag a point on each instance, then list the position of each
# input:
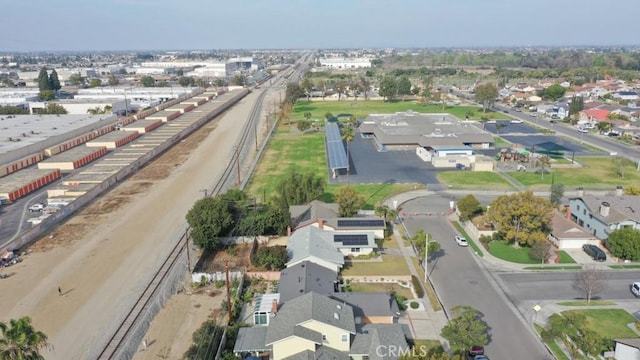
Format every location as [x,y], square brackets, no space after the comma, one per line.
[369,166]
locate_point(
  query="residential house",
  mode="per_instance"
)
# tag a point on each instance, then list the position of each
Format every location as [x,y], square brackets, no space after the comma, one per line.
[306,277]
[370,307]
[565,234]
[314,245]
[625,95]
[627,349]
[265,306]
[534,98]
[313,326]
[594,115]
[600,215]
[326,216]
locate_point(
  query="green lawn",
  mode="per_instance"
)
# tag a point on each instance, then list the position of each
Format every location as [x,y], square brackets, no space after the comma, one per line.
[472,243]
[431,294]
[565,258]
[473,180]
[427,347]
[362,108]
[598,173]
[547,267]
[584,303]
[390,265]
[504,251]
[609,323]
[555,349]
[289,152]
[381,287]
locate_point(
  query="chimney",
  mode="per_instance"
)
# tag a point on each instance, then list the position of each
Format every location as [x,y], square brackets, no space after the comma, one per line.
[320,223]
[568,211]
[288,230]
[274,306]
[580,191]
[604,209]
[619,190]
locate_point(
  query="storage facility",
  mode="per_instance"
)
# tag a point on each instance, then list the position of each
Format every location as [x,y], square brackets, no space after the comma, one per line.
[195,102]
[181,108]
[70,192]
[163,116]
[142,126]
[73,159]
[113,140]
[23,182]
[16,165]
[86,178]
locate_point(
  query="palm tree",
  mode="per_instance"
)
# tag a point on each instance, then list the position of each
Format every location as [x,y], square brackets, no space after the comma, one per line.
[20,340]
[544,163]
[94,111]
[347,135]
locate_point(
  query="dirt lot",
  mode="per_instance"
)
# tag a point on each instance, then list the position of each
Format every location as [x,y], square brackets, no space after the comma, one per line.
[105,255]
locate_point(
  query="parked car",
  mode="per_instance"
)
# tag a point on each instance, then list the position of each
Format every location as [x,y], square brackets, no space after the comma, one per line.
[553,121]
[635,289]
[583,130]
[516,121]
[461,241]
[534,114]
[36,207]
[595,252]
[476,353]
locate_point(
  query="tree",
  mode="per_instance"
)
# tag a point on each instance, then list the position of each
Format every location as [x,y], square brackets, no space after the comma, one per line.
[544,163]
[521,217]
[20,340]
[349,201]
[590,280]
[238,80]
[44,82]
[148,81]
[113,80]
[365,86]
[293,93]
[541,250]
[341,88]
[467,207]
[209,218]
[47,95]
[185,81]
[556,195]
[304,125]
[486,94]
[553,92]
[299,189]
[619,165]
[76,79]
[54,81]
[53,109]
[571,329]
[576,105]
[347,135]
[271,257]
[388,88]
[466,329]
[386,213]
[307,86]
[623,243]
[95,83]
[404,86]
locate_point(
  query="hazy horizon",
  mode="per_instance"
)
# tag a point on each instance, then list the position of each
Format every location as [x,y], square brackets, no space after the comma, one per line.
[146,25]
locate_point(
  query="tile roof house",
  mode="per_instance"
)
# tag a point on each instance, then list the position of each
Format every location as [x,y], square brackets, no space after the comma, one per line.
[313,326]
[600,215]
[594,115]
[566,234]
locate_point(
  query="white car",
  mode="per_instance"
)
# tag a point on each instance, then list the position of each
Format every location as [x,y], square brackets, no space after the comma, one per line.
[36,207]
[635,289]
[583,130]
[461,241]
[516,121]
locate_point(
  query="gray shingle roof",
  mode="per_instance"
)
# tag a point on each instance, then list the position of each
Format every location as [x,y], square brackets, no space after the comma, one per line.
[312,241]
[305,277]
[369,303]
[251,339]
[310,306]
[322,353]
[622,208]
[316,209]
[565,229]
[371,336]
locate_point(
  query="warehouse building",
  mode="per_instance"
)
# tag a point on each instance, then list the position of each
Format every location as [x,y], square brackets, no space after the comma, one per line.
[164,116]
[113,140]
[73,159]
[23,182]
[142,126]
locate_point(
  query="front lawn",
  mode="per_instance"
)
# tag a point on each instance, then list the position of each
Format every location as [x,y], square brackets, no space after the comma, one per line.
[381,287]
[520,254]
[390,265]
[473,180]
[472,243]
[609,323]
[584,303]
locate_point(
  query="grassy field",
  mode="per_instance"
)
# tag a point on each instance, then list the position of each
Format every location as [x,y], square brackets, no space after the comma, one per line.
[609,323]
[362,108]
[598,172]
[288,152]
[381,287]
[390,265]
[473,180]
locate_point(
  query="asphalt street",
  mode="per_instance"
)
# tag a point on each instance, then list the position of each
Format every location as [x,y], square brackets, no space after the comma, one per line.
[13,217]
[556,285]
[460,279]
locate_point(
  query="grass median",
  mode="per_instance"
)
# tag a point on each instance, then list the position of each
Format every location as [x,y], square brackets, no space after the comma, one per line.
[471,242]
[431,293]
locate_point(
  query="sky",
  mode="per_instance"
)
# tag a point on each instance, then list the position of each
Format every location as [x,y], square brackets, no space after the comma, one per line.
[107,25]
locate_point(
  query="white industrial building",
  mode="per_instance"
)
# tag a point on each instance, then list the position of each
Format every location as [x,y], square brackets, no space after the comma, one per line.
[82,106]
[345,63]
[17,96]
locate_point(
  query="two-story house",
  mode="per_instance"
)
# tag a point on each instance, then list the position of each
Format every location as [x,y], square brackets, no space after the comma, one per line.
[600,215]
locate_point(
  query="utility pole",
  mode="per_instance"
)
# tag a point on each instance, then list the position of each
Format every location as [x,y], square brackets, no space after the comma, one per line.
[267,119]
[255,130]
[186,243]
[238,163]
[205,191]
[229,305]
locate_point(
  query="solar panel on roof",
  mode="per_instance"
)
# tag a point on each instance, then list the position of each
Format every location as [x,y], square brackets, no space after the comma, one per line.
[361,223]
[355,242]
[335,148]
[350,237]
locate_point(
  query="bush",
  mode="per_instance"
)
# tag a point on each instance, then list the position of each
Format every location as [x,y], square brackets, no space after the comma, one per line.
[414,305]
[200,284]
[417,286]
[272,257]
[400,301]
[232,250]
[485,240]
[219,284]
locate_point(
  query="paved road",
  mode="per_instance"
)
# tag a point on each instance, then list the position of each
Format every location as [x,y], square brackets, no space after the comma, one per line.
[560,285]
[459,279]
[13,217]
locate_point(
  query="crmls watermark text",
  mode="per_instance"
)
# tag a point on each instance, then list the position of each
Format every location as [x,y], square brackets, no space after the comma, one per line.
[395,351]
